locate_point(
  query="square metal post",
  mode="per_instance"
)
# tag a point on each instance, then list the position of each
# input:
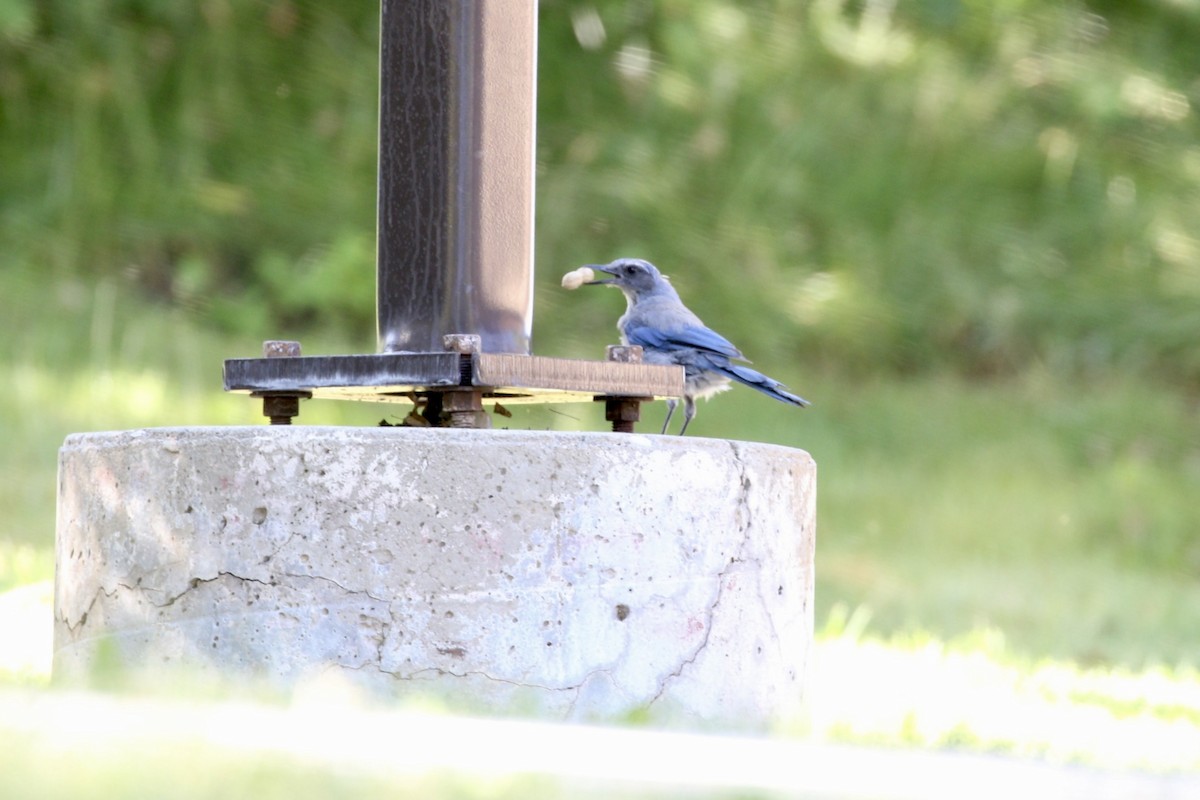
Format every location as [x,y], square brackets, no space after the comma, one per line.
[456,153]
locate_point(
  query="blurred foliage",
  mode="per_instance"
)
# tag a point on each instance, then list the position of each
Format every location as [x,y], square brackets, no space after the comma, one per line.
[885,185]
[193,147]
[883,202]
[896,184]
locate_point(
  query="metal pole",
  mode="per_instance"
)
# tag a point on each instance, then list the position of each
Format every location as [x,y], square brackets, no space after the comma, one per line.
[456,139]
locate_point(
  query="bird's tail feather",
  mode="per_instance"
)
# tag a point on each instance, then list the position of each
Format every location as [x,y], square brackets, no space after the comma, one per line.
[756,380]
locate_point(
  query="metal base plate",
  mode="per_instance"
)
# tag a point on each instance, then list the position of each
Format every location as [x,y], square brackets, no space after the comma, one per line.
[394,377]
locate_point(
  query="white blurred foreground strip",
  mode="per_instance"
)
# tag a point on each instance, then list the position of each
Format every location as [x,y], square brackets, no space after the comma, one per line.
[646,762]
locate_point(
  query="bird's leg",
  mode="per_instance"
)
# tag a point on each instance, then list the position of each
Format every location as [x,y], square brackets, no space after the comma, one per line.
[671,403]
[689,411]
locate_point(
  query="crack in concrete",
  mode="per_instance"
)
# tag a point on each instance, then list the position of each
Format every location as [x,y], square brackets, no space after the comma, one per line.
[196,582]
[744,494]
[737,558]
[691,659]
[468,674]
[83,618]
[575,687]
[345,589]
[745,504]
[606,670]
[486,676]
[283,545]
[763,600]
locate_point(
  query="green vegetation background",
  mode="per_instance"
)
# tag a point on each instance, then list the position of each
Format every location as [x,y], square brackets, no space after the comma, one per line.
[966,229]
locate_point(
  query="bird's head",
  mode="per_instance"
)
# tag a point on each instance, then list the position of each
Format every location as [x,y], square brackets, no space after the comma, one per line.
[633,276]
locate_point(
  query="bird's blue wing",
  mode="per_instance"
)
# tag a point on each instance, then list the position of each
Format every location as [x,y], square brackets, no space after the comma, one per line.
[691,338]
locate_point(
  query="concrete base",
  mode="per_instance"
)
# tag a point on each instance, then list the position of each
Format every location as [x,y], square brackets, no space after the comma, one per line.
[561,575]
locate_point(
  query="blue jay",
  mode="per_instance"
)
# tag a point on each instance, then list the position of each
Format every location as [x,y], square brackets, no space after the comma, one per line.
[670,333]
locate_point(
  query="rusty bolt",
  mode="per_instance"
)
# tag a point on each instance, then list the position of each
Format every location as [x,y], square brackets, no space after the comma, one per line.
[462,343]
[279,348]
[624,353]
[464,409]
[280,408]
[622,412]
[467,345]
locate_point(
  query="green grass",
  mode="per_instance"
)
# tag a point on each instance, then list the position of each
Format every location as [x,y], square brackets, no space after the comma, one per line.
[973,692]
[1054,510]
[190,767]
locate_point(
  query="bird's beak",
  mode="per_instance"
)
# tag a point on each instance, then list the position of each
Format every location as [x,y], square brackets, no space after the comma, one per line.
[605,268]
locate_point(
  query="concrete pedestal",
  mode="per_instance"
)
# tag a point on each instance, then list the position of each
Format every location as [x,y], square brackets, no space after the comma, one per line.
[560,575]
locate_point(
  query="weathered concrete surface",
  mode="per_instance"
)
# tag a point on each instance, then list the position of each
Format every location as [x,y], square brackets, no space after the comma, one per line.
[562,575]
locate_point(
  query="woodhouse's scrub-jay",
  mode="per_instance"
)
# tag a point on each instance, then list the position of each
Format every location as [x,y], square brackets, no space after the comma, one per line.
[670,333]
